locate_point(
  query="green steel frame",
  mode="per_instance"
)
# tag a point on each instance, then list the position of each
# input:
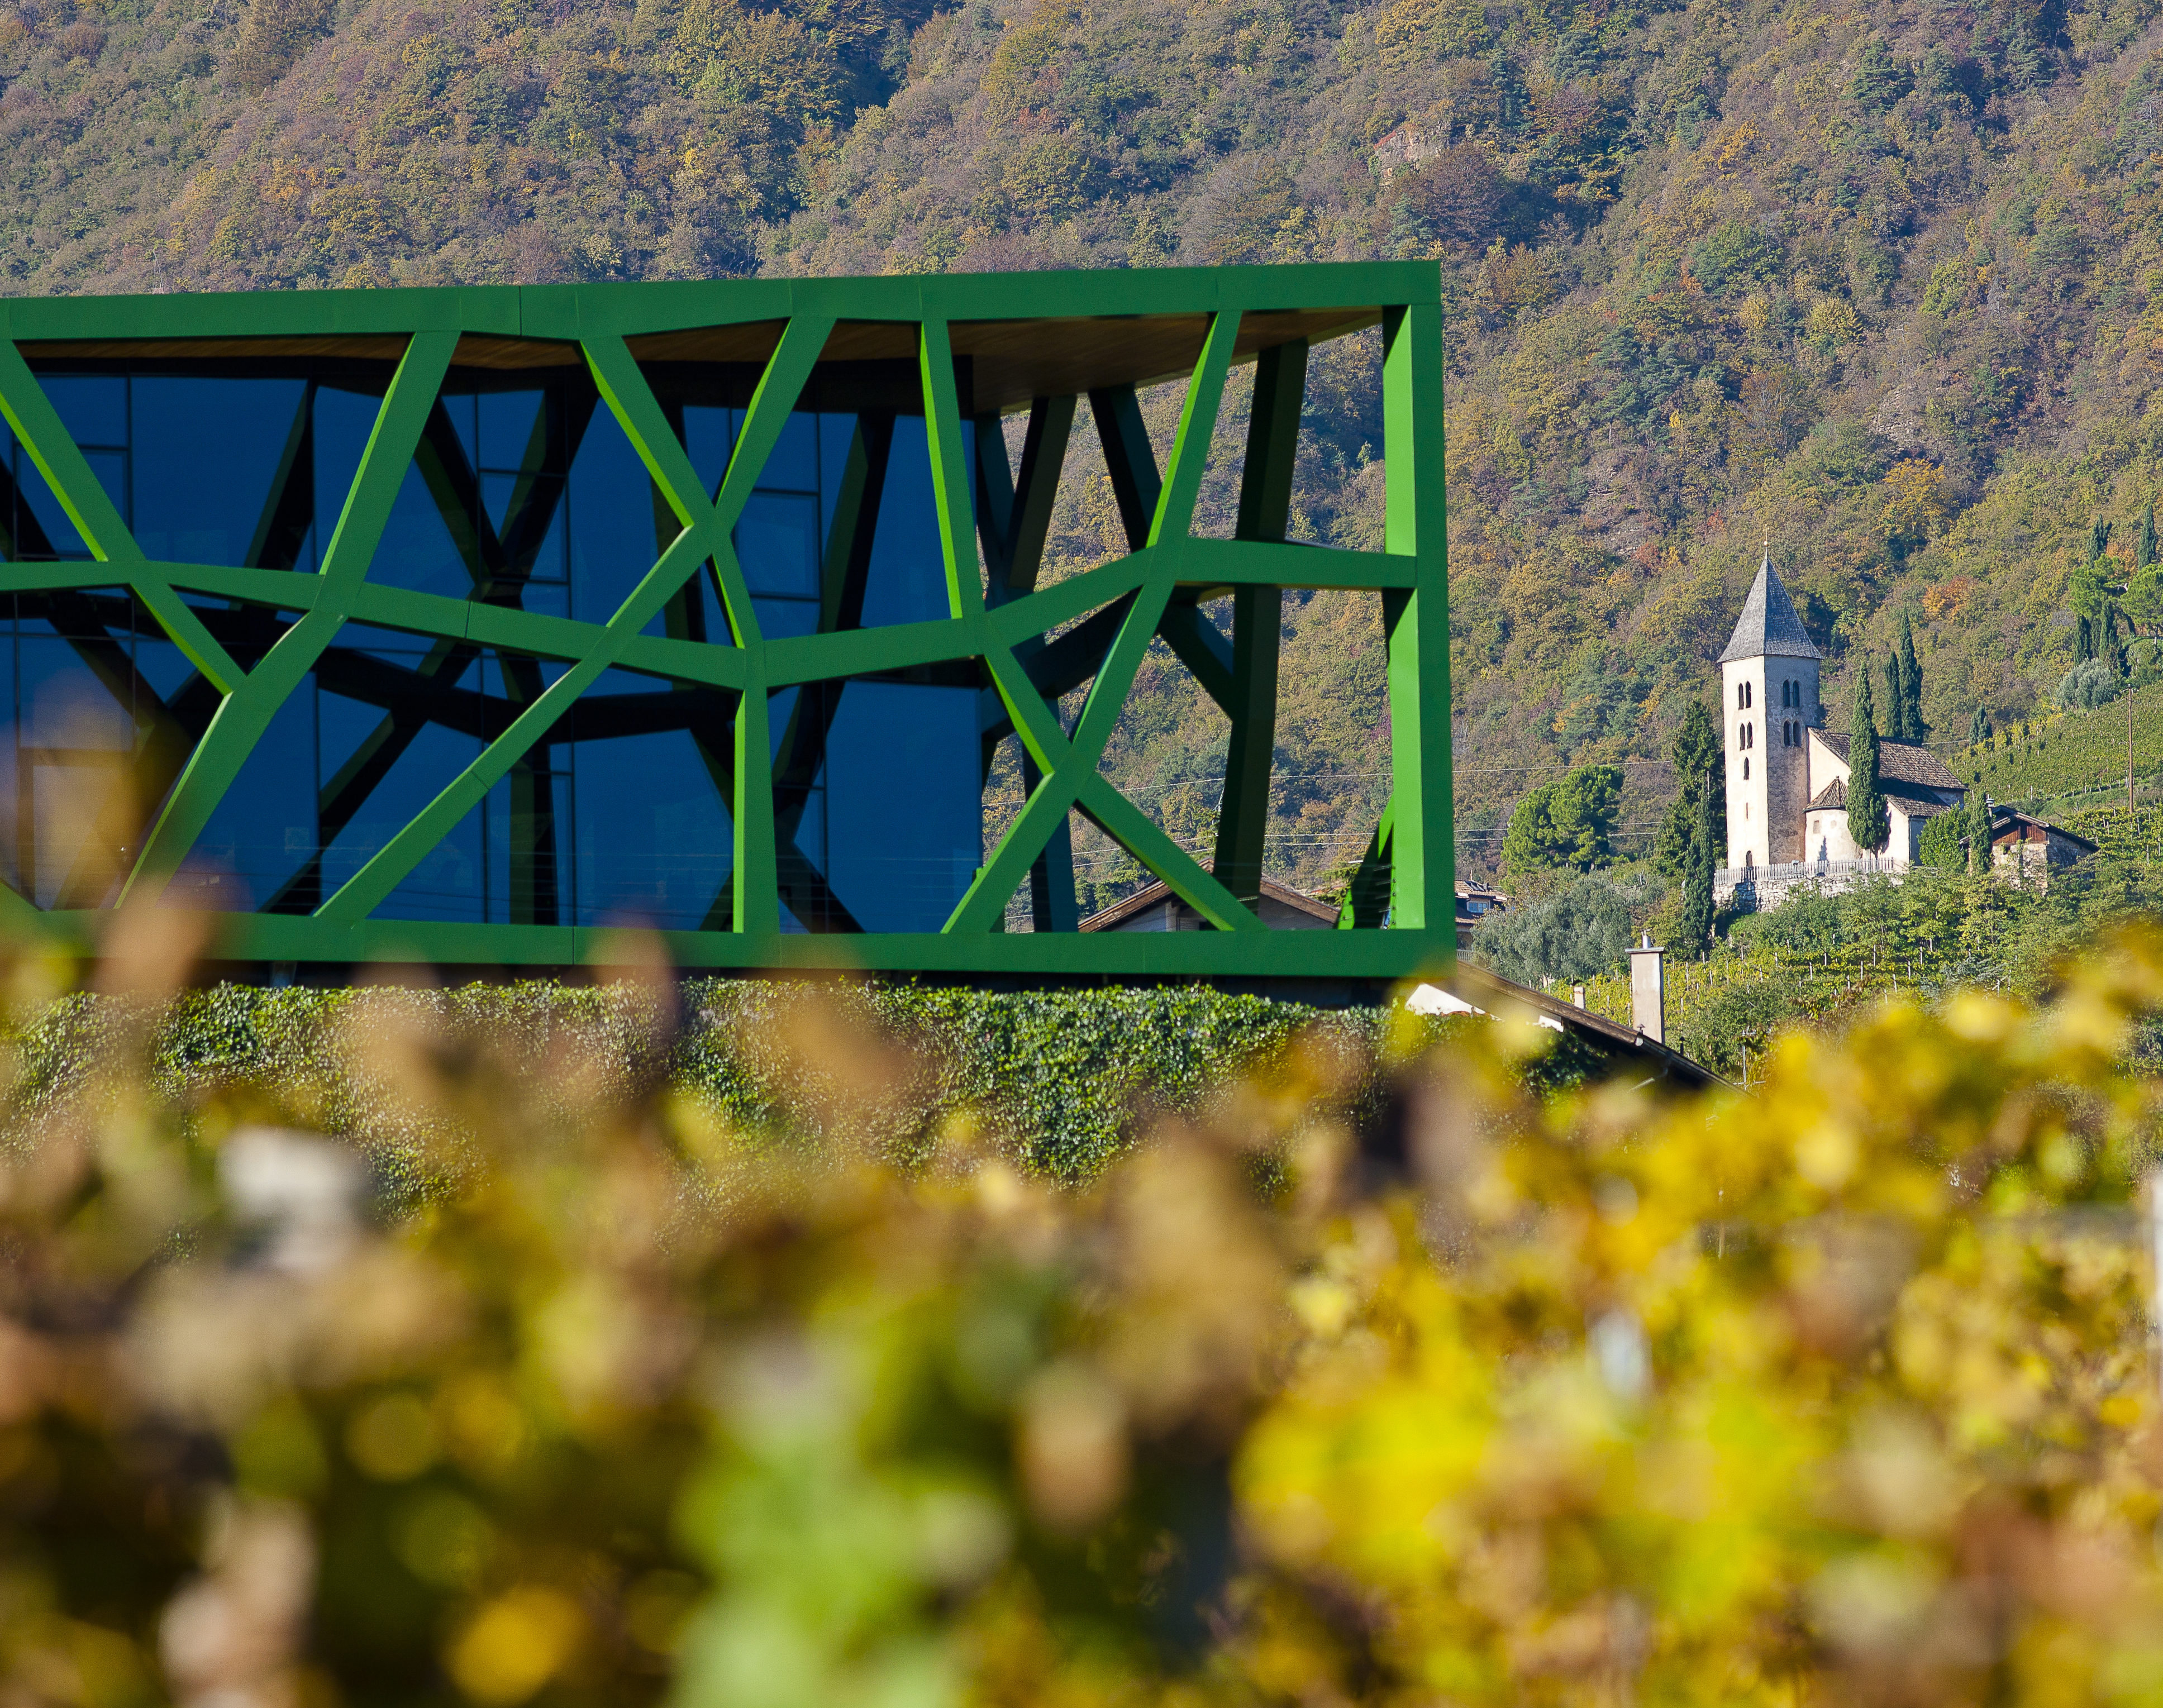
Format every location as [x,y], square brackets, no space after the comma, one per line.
[998,617]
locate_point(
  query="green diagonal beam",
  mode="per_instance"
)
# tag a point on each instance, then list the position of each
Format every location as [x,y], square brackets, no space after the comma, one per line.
[246,713]
[37,424]
[949,471]
[1070,775]
[705,535]
[367,889]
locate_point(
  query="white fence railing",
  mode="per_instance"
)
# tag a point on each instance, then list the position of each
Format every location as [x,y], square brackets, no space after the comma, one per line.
[1803,871]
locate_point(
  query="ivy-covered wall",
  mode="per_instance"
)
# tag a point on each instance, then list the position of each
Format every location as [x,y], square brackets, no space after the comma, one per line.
[1056,1080]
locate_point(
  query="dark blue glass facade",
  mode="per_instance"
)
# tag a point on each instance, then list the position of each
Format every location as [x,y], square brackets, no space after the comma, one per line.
[525,492]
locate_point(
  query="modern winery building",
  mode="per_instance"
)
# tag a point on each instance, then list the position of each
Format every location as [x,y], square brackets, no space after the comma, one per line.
[463,625]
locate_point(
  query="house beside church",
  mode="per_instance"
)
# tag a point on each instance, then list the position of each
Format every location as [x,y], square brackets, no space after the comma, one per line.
[1787,777]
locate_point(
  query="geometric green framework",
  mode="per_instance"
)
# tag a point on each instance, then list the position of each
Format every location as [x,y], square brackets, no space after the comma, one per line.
[247,637]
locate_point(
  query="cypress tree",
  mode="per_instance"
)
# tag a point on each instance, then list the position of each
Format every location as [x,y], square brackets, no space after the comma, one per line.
[2144,553]
[1909,722]
[1894,695]
[2099,539]
[1978,728]
[1868,822]
[1694,927]
[1699,772]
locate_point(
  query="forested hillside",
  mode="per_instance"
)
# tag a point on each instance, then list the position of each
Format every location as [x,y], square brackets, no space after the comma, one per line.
[1878,287]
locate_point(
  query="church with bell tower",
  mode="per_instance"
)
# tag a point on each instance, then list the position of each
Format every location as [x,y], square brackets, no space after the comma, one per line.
[1786,775]
[1768,682]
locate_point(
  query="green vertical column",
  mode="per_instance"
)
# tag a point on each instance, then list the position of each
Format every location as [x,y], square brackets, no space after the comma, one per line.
[758,903]
[1257,620]
[1422,889]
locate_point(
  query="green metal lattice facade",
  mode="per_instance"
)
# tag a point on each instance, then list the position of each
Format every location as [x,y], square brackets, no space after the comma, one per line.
[970,349]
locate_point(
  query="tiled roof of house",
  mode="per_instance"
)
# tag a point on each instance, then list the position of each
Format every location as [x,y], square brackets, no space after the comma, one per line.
[1142,900]
[2008,822]
[1834,796]
[1768,627]
[1899,762]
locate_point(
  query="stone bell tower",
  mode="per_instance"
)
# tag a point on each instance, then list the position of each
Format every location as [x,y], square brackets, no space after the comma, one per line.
[1769,692]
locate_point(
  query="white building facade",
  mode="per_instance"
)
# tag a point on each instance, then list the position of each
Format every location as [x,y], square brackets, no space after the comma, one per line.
[1788,778]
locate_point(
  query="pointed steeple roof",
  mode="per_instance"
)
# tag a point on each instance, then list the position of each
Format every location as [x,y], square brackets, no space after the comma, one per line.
[1769,626]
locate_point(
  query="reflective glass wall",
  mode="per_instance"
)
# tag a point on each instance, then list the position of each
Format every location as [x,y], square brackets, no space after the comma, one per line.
[525,492]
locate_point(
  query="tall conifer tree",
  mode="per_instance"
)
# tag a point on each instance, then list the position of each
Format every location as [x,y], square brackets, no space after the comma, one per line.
[1868,822]
[1698,775]
[1908,720]
[1694,929]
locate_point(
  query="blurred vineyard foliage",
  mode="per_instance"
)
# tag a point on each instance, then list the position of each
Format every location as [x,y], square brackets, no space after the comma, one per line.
[475,1348]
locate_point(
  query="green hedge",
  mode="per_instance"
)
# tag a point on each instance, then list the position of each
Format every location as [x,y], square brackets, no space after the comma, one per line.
[1059,1079]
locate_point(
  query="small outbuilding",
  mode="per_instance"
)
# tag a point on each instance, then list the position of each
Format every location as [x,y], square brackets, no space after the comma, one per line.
[2028,850]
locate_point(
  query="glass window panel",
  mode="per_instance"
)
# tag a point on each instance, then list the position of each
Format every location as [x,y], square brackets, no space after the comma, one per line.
[811,843]
[507,421]
[496,493]
[460,408]
[530,874]
[9,548]
[207,455]
[93,407]
[448,882]
[794,465]
[343,421]
[262,835]
[111,469]
[780,707]
[67,702]
[78,800]
[613,538]
[784,619]
[836,433]
[11,871]
[709,434]
[164,667]
[499,493]
[519,679]
[905,833]
[546,598]
[655,842]
[418,550]
[906,581]
[776,541]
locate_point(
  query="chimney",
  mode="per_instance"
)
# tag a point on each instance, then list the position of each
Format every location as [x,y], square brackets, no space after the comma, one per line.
[1648,991]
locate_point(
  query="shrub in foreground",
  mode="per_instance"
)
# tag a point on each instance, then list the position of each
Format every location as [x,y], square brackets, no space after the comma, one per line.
[1838,1392]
